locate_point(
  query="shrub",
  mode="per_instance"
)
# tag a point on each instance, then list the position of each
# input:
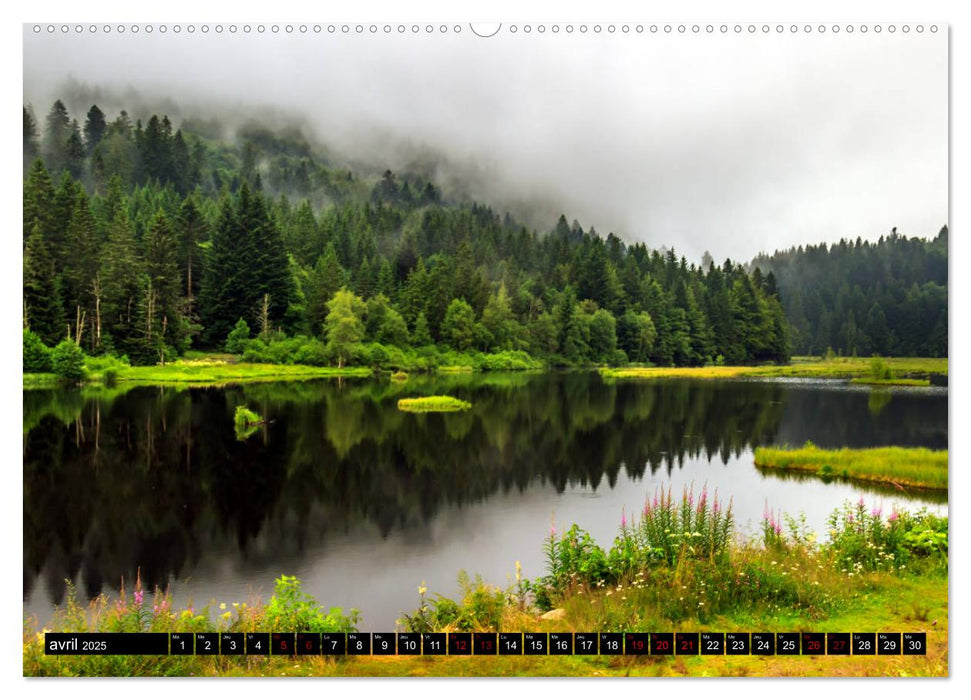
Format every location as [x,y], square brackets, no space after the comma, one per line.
[238,338]
[879,369]
[107,366]
[480,609]
[292,610]
[863,539]
[67,361]
[37,356]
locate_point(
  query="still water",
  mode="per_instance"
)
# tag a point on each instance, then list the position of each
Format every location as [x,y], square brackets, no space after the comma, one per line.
[363,502]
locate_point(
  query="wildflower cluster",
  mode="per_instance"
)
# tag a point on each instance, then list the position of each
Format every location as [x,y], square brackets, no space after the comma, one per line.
[864,539]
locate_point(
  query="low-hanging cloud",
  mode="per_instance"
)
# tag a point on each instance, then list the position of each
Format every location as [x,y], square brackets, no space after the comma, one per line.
[734,144]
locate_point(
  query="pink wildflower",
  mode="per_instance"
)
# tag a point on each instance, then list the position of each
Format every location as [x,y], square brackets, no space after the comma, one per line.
[894,516]
[139,597]
[861,503]
[778,529]
[623,518]
[876,512]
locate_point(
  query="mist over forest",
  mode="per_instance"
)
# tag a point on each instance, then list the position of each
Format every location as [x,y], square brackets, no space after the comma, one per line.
[146,236]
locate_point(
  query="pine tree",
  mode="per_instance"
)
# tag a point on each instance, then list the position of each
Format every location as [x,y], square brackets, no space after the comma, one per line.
[38,203]
[94,128]
[325,279]
[167,329]
[121,275]
[420,336]
[31,142]
[74,151]
[269,268]
[80,272]
[192,230]
[43,312]
[57,129]
[498,319]
[226,291]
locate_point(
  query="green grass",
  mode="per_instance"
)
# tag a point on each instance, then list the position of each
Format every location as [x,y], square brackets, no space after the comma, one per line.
[875,573]
[246,422]
[40,381]
[900,466]
[215,372]
[835,368]
[788,586]
[429,404]
[890,382]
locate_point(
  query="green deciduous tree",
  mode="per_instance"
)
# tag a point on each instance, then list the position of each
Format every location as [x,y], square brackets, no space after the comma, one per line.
[344,324]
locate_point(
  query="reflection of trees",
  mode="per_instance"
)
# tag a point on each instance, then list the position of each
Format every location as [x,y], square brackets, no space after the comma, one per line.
[155,477]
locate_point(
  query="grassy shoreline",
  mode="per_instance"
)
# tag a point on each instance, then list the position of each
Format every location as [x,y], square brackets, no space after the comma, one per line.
[205,373]
[676,568]
[890,382]
[200,369]
[836,368]
[898,466]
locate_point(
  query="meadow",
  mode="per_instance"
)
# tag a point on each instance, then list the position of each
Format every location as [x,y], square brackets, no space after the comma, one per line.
[676,566]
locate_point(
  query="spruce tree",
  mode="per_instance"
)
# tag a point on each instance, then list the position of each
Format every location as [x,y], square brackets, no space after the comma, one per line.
[325,279]
[57,129]
[42,303]
[94,128]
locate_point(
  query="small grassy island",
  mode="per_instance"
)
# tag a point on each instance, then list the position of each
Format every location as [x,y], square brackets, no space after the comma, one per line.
[900,466]
[433,404]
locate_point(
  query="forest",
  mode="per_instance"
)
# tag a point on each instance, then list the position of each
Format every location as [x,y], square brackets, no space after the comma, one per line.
[862,298]
[146,240]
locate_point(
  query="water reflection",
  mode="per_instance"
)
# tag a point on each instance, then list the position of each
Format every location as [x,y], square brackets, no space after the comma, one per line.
[340,481]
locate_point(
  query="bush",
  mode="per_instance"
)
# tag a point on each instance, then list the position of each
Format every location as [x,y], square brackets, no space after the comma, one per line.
[863,539]
[481,609]
[107,366]
[37,356]
[879,369]
[292,610]
[67,361]
[237,339]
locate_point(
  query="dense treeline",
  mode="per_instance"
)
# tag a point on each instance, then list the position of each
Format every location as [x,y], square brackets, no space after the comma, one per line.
[144,241]
[862,298]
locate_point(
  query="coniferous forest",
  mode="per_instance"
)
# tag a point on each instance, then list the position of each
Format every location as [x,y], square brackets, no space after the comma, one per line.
[146,240]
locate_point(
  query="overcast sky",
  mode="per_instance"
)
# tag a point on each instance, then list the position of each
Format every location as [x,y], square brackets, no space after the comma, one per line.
[729,143]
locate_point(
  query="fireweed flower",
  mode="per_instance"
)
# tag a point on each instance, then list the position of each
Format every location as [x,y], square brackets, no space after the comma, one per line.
[139,597]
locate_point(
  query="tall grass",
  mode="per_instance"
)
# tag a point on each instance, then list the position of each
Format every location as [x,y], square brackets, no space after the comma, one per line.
[902,466]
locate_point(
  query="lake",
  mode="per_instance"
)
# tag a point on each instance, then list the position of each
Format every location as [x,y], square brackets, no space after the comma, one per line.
[363,502]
